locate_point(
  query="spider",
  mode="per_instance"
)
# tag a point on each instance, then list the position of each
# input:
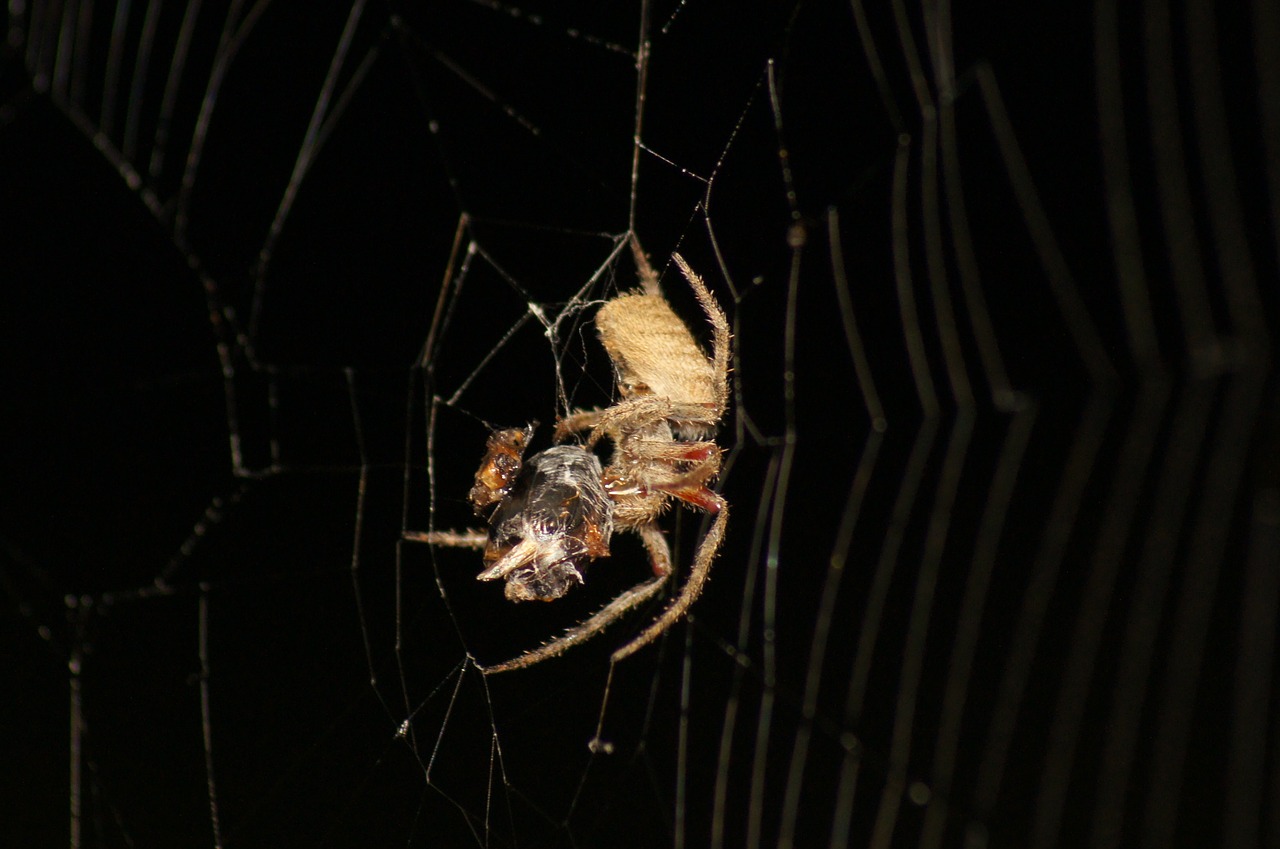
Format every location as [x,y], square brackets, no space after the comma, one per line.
[548,523]
[672,399]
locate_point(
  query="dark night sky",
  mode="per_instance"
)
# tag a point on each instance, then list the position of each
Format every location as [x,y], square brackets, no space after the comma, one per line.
[214,438]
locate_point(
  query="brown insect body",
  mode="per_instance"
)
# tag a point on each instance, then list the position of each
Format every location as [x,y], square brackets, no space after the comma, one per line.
[503,459]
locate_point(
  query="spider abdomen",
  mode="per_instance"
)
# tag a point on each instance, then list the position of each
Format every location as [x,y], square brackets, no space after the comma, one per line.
[653,351]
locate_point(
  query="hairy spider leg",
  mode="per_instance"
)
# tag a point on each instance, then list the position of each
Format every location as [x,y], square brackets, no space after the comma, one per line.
[659,556]
[450,539]
[690,591]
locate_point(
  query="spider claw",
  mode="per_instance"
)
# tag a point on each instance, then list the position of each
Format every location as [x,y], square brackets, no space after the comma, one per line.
[700,497]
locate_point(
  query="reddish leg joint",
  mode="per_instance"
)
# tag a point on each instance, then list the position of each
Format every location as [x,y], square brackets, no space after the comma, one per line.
[700,497]
[699,451]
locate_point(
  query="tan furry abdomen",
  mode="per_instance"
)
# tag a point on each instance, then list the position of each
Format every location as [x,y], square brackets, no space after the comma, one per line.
[653,351]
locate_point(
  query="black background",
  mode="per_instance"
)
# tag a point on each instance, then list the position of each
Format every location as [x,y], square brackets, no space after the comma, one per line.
[209,447]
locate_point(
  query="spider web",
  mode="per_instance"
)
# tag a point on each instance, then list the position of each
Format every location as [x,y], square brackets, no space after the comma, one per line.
[1002,568]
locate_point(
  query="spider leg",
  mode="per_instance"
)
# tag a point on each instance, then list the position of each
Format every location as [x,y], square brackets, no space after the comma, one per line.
[630,416]
[450,539]
[648,277]
[688,484]
[695,495]
[576,422]
[690,591]
[659,551]
[690,487]
[719,333]
[659,556]
[672,451]
[586,630]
